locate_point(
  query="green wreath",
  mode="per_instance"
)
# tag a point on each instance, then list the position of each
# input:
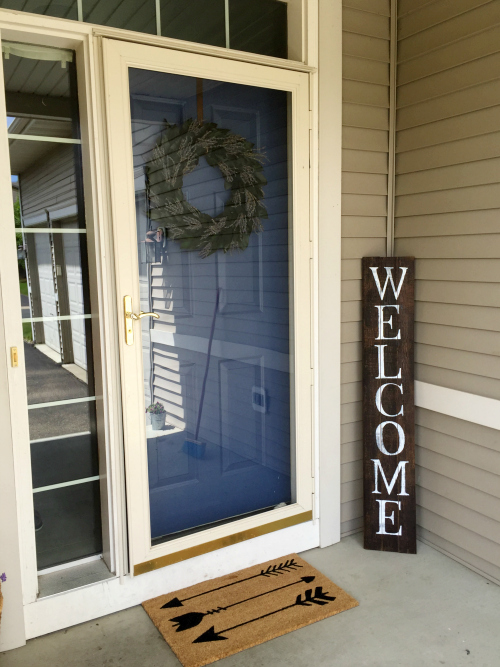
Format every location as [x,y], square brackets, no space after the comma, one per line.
[177,153]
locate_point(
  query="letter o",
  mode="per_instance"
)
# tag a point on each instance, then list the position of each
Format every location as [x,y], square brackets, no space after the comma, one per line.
[379,437]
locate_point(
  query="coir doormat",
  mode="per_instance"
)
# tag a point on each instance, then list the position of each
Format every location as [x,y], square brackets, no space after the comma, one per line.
[219,617]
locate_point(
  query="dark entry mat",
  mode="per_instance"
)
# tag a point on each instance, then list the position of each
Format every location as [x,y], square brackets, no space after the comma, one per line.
[219,617]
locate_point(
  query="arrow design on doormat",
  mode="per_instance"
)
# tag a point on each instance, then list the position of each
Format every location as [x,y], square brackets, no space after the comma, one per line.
[271,571]
[193,618]
[318,598]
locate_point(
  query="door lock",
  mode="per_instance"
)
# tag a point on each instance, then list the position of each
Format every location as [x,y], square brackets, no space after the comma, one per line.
[130,317]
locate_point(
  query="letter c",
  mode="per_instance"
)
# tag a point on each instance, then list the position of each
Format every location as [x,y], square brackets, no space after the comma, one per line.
[378,399]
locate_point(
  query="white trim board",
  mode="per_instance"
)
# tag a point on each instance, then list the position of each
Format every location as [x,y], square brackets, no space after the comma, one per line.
[459,404]
[326,191]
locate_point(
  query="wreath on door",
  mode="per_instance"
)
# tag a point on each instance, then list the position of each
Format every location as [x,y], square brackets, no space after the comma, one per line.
[177,153]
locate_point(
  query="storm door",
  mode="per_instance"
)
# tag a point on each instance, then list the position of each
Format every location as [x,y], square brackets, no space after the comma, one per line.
[210,214]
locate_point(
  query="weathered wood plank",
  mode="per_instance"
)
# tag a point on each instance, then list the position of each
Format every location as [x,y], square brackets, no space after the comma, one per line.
[388,404]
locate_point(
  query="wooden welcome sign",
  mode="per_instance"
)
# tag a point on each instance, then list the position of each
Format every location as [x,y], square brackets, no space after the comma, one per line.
[388,404]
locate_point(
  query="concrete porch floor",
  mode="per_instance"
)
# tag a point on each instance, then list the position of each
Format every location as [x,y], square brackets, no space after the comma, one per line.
[415,611]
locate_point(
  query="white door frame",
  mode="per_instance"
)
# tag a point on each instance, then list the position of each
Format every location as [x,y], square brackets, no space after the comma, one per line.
[52,613]
[118,57]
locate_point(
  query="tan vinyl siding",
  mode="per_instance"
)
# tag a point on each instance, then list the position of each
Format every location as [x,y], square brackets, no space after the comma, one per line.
[364,212]
[458,492]
[447,212]
[448,186]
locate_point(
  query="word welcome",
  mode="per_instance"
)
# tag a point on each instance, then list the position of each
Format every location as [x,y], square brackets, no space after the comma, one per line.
[388,408]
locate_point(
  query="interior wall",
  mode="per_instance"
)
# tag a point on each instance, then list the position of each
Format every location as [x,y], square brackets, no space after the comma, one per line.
[448,216]
[365,125]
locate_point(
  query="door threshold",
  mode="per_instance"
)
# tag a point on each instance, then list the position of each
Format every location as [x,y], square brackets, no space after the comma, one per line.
[77,576]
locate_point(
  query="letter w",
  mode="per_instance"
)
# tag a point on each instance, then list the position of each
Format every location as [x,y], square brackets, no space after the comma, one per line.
[400,469]
[389,278]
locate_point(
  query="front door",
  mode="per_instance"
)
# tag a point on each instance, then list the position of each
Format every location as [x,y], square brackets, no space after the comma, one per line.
[209,164]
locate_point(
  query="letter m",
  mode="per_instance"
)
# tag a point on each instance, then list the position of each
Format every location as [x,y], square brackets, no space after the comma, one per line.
[389,486]
[388,279]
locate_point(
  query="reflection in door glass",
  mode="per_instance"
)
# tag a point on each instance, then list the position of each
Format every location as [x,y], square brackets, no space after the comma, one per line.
[50,234]
[213,236]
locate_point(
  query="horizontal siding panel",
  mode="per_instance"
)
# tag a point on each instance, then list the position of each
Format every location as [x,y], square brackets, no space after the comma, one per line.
[351,268]
[352,513]
[462,494]
[434,13]
[350,472]
[450,81]
[470,340]
[456,28]
[482,172]
[357,138]
[483,245]
[350,527]
[364,205]
[460,450]
[351,332]
[370,94]
[472,384]
[352,491]
[382,7]
[368,184]
[471,47]
[351,311]
[474,124]
[476,522]
[364,23]
[351,352]
[455,104]
[360,115]
[363,247]
[350,373]
[460,472]
[462,537]
[351,392]
[480,565]
[469,317]
[351,290]
[362,69]
[409,6]
[482,270]
[475,294]
[370,162]
[450,224]
[458,428]
[362,46]
[352,451]
[484,365]
[476,198]
[454,152]
[363,227]
[351,413]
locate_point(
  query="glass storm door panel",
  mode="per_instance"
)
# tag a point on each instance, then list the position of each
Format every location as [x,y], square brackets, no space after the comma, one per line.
[211,185]
[212,274]
[54,298]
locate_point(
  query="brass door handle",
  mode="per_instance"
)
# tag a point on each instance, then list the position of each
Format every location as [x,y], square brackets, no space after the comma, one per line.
[130,317]
[141,315]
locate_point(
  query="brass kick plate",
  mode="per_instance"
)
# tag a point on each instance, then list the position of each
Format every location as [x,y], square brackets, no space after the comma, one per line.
[129,322]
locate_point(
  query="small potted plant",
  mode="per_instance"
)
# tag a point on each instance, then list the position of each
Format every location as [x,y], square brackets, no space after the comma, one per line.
[157,414]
